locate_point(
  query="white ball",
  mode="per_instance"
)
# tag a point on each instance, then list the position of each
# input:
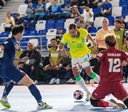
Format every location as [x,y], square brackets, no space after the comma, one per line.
[78,94]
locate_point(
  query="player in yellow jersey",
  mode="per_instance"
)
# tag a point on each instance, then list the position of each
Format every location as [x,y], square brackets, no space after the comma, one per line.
[80,54]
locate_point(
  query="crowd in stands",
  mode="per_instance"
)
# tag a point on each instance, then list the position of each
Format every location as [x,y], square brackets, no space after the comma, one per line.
[2,3]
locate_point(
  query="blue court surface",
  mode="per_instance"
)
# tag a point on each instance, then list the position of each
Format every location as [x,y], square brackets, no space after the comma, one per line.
[59,96]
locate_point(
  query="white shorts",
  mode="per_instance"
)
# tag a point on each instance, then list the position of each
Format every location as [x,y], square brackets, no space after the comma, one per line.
[83,61]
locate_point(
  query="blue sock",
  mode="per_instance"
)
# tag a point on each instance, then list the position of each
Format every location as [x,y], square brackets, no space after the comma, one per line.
[7,89]
[35,92]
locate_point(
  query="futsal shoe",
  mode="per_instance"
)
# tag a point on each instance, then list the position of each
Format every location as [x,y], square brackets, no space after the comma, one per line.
[116,105]
[43,105]
[88,96]
[5,103]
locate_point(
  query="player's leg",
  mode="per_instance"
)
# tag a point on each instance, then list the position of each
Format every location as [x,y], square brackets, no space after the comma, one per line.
[76,72]
[99,94]
[8,87]
[102,103]
[25,80]
[49,70]
[88,69]
[120,93]
[4,99]
[92,74]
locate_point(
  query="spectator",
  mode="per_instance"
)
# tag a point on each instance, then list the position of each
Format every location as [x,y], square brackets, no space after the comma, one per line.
[18,20]
[40,11]
[9,22]
[101,33]
[121,19]
[29,12]
[82,24]
[47,4]
[55,11]
[125,64]
[100,39]
[59,35]
[60,2]
[124,28]
[66,11]
[32,66]
[88,15]
[106,9]
[120,34]
[75,12]
[18,53]
[91,3]
[1,4]
[55,63]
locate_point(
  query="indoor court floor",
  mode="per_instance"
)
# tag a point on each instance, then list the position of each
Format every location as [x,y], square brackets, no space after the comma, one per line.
[59,96]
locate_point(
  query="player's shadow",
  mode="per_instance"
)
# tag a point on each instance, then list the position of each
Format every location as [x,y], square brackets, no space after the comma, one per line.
[7,110]
[106,110]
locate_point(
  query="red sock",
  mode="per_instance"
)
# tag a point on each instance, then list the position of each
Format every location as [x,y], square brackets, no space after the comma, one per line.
[103,103]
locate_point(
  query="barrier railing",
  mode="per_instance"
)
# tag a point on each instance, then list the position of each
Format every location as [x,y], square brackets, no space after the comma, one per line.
[43,40]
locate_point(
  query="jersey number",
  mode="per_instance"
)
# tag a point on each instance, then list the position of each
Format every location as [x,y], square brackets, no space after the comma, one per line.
[114,65]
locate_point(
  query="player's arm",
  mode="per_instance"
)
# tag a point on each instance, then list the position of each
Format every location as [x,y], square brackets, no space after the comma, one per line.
[59,60]
[93,42]
[1,48]
[94,61]
[61,48]
[99,57]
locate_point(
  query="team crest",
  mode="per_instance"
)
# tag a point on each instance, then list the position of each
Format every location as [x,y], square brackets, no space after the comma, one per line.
[83,40]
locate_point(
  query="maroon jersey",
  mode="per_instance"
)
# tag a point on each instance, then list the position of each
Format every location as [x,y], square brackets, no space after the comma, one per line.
[111,64]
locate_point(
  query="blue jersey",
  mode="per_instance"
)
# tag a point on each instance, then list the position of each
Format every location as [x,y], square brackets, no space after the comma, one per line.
[9,53]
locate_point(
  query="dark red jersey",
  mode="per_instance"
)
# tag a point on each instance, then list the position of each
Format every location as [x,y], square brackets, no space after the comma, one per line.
[111,64]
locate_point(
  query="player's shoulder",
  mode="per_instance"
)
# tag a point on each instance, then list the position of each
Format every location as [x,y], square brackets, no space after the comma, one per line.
[103,52]
[82,30]
[66,34]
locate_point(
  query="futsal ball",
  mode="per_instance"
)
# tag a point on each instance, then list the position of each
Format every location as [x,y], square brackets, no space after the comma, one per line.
[78,94]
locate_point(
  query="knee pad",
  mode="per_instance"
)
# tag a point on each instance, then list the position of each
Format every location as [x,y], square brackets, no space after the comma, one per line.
[94,102]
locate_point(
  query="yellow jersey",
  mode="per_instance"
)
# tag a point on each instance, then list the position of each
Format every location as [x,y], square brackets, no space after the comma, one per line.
[77,45]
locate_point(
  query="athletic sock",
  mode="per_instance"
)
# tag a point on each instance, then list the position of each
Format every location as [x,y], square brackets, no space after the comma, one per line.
[95,77]
[81,82]
[7,89]
[102,103]
[36,93]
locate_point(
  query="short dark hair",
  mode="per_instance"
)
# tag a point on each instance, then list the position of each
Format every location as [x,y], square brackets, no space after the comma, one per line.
[17,29]
[59,28]
[17,14]
[110,40]
[118,21]
[72,26]
[53,39]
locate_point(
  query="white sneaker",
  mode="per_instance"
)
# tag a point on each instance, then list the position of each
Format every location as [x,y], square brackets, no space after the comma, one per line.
[4,102]
[52,81]
[57,81]
[71,81]
[115,105]
[43,105]
[88,96]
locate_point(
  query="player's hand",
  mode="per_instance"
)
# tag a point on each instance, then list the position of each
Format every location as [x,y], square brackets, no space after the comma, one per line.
[1,48]
[20,65]
[94,45]
[26,58]
[32,68]
[64,53]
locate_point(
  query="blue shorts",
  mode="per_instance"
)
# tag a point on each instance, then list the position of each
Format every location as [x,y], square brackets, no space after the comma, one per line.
[12,73]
